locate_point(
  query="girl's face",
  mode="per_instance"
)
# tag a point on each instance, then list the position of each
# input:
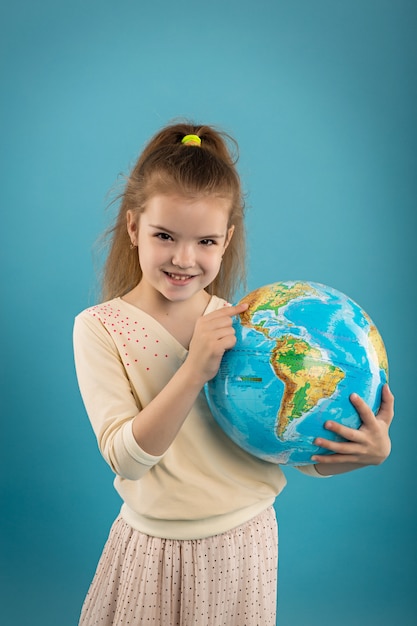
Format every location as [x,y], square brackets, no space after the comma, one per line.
[181,242]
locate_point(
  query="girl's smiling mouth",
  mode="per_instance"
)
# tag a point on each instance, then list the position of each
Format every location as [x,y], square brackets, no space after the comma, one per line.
[179,277]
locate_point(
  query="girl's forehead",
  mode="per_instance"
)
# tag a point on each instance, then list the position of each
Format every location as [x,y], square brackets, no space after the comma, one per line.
[205,215]
[172,206]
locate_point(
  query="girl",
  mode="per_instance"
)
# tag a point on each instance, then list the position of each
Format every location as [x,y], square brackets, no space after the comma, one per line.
[196,538]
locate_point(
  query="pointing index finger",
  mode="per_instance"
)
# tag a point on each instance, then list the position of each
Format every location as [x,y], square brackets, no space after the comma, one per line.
[238,308]
[232,310]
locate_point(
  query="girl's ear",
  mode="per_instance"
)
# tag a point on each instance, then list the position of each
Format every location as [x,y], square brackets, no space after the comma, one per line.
[132,226]
[229,236]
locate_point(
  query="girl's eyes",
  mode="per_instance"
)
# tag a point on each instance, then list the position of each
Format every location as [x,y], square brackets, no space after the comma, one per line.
[203,242]
[164,236]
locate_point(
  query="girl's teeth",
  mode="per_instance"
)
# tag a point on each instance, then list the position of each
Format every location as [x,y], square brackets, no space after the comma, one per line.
[176,277]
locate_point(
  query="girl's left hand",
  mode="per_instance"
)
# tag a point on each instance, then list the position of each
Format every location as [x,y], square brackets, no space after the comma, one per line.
[370,444]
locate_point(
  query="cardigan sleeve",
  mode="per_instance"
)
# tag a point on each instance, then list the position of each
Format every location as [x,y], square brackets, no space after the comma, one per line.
[108,397]
[311,470]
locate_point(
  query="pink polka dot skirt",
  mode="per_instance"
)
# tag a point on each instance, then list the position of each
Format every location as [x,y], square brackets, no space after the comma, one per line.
[225,580]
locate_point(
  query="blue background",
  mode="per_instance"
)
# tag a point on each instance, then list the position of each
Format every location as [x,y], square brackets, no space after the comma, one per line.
[321,97]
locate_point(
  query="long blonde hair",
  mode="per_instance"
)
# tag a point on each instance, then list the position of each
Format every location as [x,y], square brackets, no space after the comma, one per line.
[168,166]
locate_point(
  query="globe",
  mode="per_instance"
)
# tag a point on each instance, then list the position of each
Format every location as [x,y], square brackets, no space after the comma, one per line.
[301,350]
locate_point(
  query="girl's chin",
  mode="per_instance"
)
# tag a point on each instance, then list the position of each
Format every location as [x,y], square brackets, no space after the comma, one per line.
[176,291]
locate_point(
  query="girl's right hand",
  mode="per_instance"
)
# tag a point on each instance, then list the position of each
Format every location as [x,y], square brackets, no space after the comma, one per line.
[213,335]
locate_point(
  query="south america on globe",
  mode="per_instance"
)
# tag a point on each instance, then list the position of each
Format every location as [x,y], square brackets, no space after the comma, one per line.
[301,350]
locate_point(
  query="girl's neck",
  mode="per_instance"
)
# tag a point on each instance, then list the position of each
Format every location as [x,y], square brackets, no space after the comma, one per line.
[178,317]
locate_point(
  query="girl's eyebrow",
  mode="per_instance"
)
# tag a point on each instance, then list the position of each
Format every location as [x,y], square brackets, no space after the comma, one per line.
[166,230]
[171,232]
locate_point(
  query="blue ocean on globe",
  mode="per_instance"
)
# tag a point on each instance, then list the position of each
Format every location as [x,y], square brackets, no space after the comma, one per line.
[301,350]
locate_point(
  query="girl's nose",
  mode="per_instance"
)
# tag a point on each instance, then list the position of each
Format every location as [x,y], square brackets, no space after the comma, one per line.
[183,257]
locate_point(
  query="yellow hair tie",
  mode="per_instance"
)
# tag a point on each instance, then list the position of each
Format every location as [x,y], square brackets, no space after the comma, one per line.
[191,140]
